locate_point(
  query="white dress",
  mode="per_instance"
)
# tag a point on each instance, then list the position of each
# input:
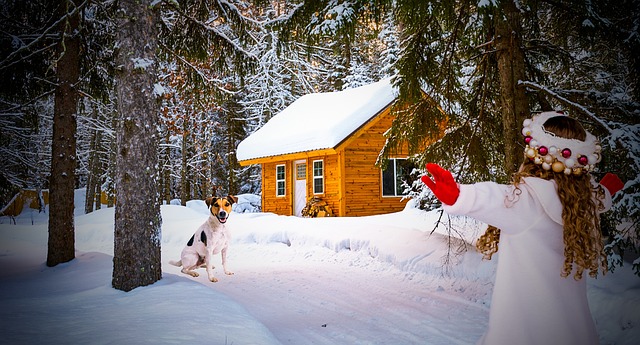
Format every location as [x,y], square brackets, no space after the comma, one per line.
[531,302]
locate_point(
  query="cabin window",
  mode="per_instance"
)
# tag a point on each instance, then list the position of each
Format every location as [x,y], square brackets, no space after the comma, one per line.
[318,177]
[395,175]
[280,180]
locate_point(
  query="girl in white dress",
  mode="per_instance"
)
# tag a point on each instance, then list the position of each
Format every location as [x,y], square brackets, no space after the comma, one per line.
[547,225]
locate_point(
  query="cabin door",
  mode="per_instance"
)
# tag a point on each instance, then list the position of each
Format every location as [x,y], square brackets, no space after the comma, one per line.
[299,186]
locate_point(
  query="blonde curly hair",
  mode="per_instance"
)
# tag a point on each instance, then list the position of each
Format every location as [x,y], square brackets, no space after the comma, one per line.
[583,244]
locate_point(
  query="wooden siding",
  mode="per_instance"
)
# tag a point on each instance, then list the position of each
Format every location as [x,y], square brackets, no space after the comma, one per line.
[270,202]
[332,178]
[284,205]
[362,179]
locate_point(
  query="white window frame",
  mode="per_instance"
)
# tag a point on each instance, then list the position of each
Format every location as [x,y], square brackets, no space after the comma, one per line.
[283,180]
[395,178]
[317,177]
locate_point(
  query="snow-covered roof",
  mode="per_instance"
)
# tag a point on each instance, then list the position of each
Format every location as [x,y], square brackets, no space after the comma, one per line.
[317,121]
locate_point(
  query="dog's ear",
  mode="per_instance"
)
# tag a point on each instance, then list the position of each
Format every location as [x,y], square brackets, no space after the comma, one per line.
[209,201]
[232,199]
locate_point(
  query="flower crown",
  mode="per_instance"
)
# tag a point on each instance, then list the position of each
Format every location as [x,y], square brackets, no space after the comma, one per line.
[570,156]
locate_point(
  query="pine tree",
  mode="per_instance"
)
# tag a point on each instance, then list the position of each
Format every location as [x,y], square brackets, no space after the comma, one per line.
[227,134]
[61,244]
[389,36]
[136,260]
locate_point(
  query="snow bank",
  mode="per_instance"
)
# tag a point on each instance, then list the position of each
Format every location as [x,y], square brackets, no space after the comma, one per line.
[385,238]
[73,303]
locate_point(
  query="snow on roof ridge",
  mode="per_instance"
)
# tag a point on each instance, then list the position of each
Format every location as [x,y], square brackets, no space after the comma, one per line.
[317,121]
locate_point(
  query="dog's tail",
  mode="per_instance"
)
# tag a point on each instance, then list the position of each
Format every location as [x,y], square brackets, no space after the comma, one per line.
[176,263]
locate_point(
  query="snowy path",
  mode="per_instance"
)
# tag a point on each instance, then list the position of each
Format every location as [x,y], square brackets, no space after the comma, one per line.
[343,298]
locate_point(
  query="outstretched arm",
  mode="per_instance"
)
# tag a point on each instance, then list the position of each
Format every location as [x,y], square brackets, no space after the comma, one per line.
[485,201]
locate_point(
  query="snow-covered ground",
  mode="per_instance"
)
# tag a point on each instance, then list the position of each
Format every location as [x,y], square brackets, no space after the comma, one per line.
[367,280]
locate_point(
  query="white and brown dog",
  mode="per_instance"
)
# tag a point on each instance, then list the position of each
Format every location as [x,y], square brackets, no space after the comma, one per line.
[211,238]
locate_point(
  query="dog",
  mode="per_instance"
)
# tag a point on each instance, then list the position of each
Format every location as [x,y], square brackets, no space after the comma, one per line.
[211,238]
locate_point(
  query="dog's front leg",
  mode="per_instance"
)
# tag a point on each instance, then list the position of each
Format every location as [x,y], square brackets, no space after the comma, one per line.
[224,261]
[209,264]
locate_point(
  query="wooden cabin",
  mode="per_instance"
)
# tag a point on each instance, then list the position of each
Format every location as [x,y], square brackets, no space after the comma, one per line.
[325,146]
[29,198]
[26,197]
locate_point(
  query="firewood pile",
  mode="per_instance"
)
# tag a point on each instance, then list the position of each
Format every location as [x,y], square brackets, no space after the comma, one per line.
[316,207]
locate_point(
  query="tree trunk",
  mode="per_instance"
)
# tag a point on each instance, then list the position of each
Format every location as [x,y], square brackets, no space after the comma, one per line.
[184,181]
[93,173]
[136,260]
[111,166]
[97,195]
[97,172]
[61,242]
[511,69]
[167,173]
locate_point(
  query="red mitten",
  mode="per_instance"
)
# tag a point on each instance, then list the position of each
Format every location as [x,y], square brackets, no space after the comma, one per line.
[612,183]
[443,186]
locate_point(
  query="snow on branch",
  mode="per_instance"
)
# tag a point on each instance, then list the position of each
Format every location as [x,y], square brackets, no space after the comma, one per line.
[283,18]
[336,16]
[555,95]
[7,62]
[208,80]
[216,32]
[241,16]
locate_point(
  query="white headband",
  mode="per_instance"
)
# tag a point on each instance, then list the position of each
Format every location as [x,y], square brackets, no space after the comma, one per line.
[556,153]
